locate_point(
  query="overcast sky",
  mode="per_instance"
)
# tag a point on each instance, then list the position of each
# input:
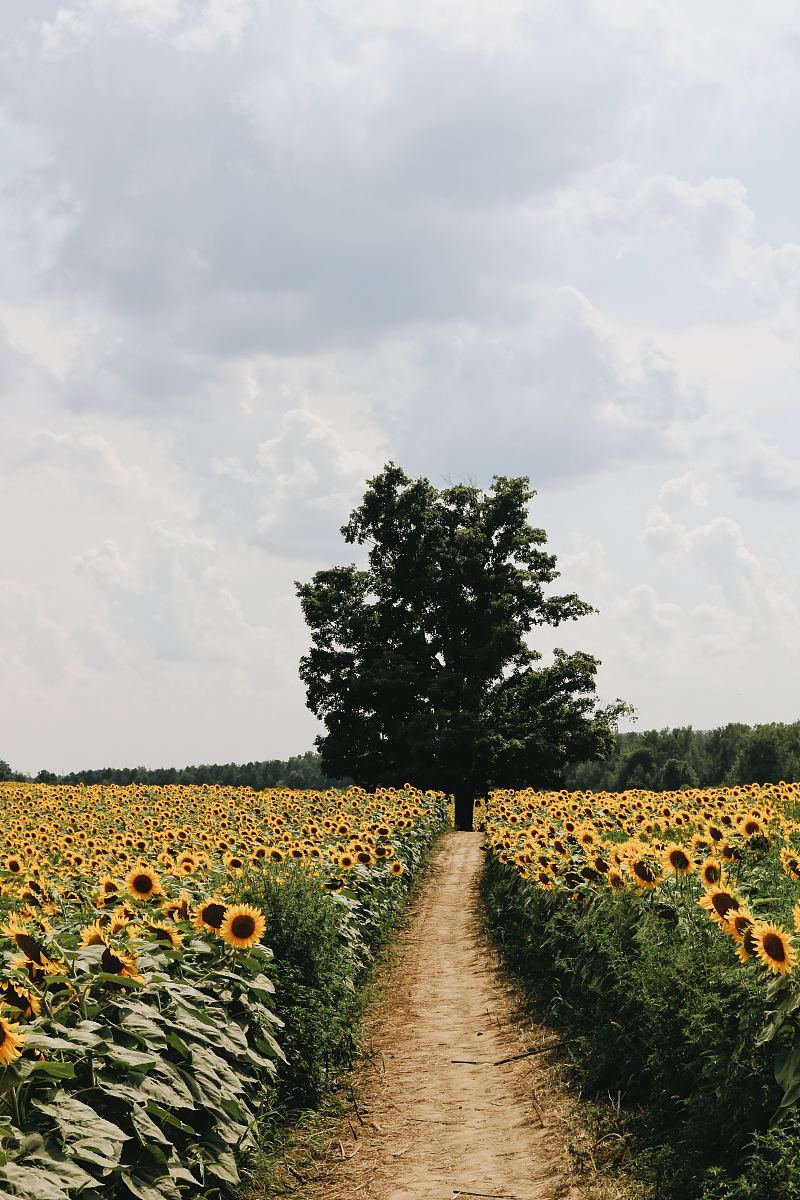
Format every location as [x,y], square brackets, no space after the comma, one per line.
[252,249]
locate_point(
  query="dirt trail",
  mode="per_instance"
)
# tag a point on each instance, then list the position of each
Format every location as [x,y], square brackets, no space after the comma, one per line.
[428,1127]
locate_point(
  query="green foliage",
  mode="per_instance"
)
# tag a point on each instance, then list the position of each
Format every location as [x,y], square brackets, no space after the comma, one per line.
[323,943]
[314,976]
[773,1169]
[703,1049]
[666,759]
[7,775]
[145,1089]
[159,1073]
[420,665]
[299,771]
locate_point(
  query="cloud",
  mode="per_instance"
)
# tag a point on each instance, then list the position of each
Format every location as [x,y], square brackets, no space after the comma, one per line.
[556,398]
[750,601]
[252,251]
[169,600]
[31,640]
[649,625]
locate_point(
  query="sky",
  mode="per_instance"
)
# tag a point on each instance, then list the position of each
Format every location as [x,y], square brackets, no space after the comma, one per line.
[250,250]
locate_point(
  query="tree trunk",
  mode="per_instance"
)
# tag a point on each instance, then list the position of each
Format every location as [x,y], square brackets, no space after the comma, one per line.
[463,814]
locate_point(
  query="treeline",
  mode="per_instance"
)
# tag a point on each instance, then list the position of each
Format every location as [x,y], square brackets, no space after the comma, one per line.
[666,759]
[299,771]
[656,759]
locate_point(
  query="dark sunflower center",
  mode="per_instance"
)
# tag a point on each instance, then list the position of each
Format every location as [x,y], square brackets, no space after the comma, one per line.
[142,884]
[679,860]
[774,947]
[243,926]
[723,903]
[28,947]
[643,872]
[213,914]
[111,963]
[711,874]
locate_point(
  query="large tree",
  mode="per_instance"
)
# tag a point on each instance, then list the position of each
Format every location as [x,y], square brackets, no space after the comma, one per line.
[420,666]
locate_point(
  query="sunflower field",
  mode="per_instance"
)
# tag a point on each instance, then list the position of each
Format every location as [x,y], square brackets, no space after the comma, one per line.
[177,970]
[660,932]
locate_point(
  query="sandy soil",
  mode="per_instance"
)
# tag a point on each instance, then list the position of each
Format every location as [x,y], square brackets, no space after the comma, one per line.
[437,1115]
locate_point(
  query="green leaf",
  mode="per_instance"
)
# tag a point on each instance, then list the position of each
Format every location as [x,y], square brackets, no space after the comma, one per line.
[169,1118]
[138,1020]
[149,1191]
[166,1086]
[32,1183]
[224,1167]
[147,1129]
[787,1075]
[55,1070]
[45,1041]
[73,1116]
[121,1056]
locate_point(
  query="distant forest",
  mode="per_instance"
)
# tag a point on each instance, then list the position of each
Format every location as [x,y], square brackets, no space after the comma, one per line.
[300,771]
[666,759]
[656,759]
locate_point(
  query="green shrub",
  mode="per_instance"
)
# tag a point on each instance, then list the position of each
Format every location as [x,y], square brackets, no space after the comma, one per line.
[661,1012]
[314,973]
[145,1089]
[323,941]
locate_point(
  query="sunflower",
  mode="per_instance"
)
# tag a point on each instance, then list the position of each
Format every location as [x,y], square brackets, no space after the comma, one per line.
[16,995]
[93,935]
[676,859]
[30,948]
[242,926]
[718,903]
[108,890]
[165,934]
[209,914]
[10,1042]
[397,868]
[178,909]
[774,947]
[791,863]
[117,962]
[711,873]
[738,923]
[143,884]
[644,872]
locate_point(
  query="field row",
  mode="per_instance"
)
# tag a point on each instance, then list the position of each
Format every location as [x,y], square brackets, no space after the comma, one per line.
[661,930]
[178,968]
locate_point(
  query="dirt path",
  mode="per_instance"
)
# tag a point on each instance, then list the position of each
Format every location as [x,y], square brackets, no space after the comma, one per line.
[428,1127]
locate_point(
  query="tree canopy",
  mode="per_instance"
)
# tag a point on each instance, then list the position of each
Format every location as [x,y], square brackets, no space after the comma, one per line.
[665,759]
[420,665]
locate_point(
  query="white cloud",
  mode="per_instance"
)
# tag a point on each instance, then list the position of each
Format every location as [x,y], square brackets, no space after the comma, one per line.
[251,251]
